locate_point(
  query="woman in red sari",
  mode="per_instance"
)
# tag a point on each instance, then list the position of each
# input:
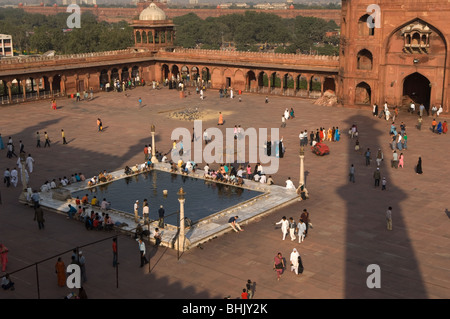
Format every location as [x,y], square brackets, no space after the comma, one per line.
[60,269]
[444,127]
[278,265]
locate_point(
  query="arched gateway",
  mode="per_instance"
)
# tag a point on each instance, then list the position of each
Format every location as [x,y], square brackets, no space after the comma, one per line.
[416,87]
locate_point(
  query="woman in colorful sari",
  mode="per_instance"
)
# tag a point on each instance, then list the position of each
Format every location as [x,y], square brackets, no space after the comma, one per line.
[444,127]
[329,134]
[337,136]
[60,270]
[439,128]
[278,265]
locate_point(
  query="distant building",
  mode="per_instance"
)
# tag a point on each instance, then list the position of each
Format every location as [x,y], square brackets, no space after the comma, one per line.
[68,2]
[6,46]
[242,5]
[193,1]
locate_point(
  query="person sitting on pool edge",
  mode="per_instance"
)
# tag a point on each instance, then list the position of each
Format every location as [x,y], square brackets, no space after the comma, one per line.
[234,224]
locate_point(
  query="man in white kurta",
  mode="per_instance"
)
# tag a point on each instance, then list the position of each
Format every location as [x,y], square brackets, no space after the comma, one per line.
[289,184]
[14,177]
[284,226]
[301,228]
[29,163]
[294,261]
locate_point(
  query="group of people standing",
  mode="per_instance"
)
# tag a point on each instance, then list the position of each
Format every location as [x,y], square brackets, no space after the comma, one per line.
[286,116]
[333,134]
[300,228]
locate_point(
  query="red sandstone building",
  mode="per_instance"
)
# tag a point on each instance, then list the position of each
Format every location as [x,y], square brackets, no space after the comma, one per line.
[403,58]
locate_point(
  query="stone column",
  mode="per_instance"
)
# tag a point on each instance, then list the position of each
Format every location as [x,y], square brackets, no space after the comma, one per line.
[322,80]
[50,81]
[63,84]
[9,84]
[22,196]
[302,174]
[181,242]
[153,159]
[38,89]
[86,84]
[308,83]
[24,87]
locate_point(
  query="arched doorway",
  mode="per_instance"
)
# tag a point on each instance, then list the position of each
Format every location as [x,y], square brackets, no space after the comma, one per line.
[175,73]
[263,82]
[103,78]
[329,84]
[165,72]
[206,76]
[363,94]
[134,71]
[194,73]
[417,88]
[251,82]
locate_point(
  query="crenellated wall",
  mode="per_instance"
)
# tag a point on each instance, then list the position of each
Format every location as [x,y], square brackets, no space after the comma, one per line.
[240,70]
[128,14]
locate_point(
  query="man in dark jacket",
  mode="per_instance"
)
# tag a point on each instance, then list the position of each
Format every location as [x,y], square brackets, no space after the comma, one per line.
[39,216]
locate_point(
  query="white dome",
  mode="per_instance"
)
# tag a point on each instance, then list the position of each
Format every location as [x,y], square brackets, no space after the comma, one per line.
[152,13]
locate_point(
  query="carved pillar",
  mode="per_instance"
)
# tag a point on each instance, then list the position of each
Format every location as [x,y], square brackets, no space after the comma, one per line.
[24,86]
[120,75]
[38,89]
[50,80]
[63,84]
[153,37]
[9,84]
[109,76]
[86,84]
[308,83]
[322,80]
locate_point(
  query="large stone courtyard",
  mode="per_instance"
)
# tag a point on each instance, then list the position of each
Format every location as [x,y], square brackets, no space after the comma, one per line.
[349,231]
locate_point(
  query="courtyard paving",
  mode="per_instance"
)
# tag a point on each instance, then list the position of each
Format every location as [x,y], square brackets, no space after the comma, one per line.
[349,231]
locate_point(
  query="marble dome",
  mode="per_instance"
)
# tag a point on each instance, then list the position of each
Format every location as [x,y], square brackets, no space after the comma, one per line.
[152,13]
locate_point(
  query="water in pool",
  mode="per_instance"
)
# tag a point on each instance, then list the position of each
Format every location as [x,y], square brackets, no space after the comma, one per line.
[203,198]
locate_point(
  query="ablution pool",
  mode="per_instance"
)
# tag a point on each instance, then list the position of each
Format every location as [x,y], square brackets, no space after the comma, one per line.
[203,197]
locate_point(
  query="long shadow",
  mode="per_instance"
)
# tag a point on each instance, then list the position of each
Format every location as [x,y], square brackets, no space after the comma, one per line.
[367,239]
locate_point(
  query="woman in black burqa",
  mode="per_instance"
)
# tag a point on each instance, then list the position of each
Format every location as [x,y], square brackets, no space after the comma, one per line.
[419,166]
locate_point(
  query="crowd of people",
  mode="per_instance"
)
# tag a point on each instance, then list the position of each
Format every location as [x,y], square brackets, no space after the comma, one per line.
[61,182]
[92,220]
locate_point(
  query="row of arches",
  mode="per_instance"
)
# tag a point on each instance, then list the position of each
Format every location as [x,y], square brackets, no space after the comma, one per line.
[32,87]
[119,74]
[155,37]
[253,81]
[416,87]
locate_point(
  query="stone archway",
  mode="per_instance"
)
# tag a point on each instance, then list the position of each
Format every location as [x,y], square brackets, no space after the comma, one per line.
[164,72]
[416,87]
[251,82]
[329,84]
[363,94]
